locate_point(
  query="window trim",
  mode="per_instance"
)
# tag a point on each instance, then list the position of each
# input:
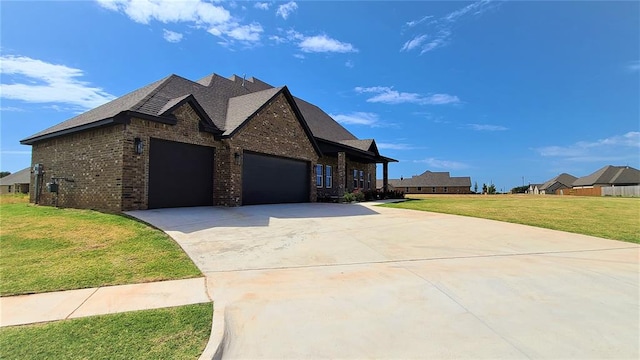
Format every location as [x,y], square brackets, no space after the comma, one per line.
[328,174]
[361,179]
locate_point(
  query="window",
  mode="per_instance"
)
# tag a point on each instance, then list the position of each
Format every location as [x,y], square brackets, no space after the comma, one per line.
[433,189]
[355,178]
[361,179]
[445,189]
[406,189]
[419,188]
[369,181]
[328,177]
[319,175]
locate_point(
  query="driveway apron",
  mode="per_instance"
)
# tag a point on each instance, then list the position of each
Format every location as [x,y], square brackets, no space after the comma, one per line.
[358,281]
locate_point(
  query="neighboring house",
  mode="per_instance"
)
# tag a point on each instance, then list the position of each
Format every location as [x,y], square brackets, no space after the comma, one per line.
[560,182]
[534,189]
[432,183]
[215,141]
[609,176]
[16,183]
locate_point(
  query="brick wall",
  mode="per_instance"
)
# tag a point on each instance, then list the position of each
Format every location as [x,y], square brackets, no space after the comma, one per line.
[274,130]
[438,190]
[92,160]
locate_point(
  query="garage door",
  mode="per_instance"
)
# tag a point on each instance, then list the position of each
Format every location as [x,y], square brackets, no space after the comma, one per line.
[272,180]
[180,174]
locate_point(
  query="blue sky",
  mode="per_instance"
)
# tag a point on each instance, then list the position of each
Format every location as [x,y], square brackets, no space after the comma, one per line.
[498,91]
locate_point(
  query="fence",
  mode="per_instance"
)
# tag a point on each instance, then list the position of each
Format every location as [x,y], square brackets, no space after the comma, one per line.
[626,191]
[580,192]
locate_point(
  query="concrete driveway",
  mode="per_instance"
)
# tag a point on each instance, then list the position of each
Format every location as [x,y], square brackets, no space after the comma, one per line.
[356,281]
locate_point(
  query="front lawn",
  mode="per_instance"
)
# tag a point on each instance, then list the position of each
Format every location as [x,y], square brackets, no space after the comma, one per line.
[172,333]
[605,217]
[47,249]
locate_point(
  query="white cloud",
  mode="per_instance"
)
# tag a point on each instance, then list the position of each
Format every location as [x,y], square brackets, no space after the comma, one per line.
[49,83]
[440,30]
[634,66]
[357,118]
[11,108]
[486,127]
[413,43]
[298,56]
[614,148]
[213,18]
[349,64]
[171,36]
[387,95]
[286,9]
[249,32]
[322,43]
[312,44]
[395,146]
[443,164]
[169,11]
[416,22]
[261,5]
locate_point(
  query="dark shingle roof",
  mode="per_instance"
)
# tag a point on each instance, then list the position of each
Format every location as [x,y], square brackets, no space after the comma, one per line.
[225,100]
[611,175]
[429,178]
[564,179]
[21,177]
[242,107]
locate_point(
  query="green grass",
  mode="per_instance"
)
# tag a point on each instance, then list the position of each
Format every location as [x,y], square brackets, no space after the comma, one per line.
[47,249]
[172,333]
[606,217]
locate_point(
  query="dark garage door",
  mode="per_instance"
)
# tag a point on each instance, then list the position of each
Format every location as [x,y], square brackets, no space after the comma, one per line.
[273,180]
[180,174]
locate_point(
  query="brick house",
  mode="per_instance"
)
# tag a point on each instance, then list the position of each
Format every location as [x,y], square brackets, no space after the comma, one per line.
[216,141]
[16,183]
[431,183]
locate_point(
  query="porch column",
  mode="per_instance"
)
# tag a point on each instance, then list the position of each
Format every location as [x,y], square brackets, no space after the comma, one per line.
[342,174]
[385,176]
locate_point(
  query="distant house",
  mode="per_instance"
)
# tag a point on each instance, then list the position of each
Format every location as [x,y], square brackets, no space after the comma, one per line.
[609,176]
[432,183]
[560,182]
[534,189]
[16,183]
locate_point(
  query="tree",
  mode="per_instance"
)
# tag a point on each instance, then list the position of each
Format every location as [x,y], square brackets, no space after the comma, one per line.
[484,188]
[491,189]
[4,173]
[475,187]
[519,190]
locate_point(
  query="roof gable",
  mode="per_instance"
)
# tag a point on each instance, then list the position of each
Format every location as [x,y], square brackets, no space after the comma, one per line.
[610,175]
[21,177]
[429,178]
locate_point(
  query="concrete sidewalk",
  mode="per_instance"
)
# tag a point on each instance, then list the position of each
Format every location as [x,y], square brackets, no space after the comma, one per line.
[61,305]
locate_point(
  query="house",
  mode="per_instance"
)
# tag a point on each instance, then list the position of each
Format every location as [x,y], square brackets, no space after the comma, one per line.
[16,183]
[216,141]
[560,182]
[432,183]
[533,189]
[609,176]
